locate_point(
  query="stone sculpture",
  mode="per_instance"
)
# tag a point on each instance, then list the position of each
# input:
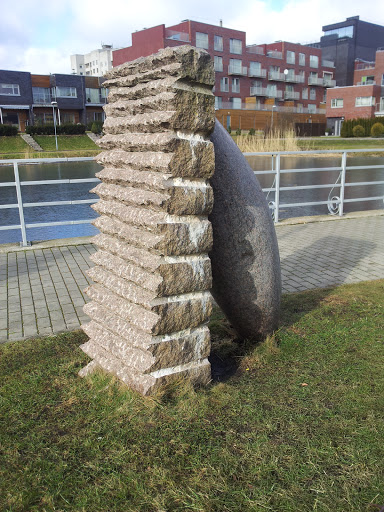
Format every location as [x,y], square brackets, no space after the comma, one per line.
[150,303]
[245,255]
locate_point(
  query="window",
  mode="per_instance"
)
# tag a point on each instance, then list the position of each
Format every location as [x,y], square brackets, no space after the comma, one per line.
[364,101]
[254,69]
[235,66]
[301,59]
[92,95]
[66,92]
[302,76]
[304,93]
[235,84]
[340,32]
[67,118]
[367,80]
[236,46]
[236,103]
[337,103]
[272,90]
[41,95]
[218,102]
[300,108]
[218,63]
[311,108]
[42,119]
[312,93]
[290,75]
[314,61]
[11,119]
[202,40]
[224,85]
[290,57]
[9,90]
[218,44]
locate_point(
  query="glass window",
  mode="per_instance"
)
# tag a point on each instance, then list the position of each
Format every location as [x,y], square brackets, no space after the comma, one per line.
[218,43]
[218,63]
[224,85]
[367,80]
[235,84]
[11,119]
[236,46]
[235,66]
[41,95]
[218,102]
[312,93]
[312,108]
[202,40]
[92,95]
[337,103]
[304,93]
[340,32]
[236,103]
[67,118]
[9,90]
[300,107]
[290,57]
[301,59]
[364,101]
[255,69]
[314,61]
[66,92]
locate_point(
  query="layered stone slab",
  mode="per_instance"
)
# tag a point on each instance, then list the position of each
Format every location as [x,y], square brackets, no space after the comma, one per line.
[150,301]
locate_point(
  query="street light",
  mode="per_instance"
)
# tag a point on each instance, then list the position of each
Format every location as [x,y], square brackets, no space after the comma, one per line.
[54,104]
[273,108]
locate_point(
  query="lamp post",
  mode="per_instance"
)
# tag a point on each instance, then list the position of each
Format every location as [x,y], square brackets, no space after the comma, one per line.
[54,104]
[273,109]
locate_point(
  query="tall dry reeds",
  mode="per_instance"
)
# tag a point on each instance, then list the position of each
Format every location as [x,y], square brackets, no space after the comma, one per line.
[273,140]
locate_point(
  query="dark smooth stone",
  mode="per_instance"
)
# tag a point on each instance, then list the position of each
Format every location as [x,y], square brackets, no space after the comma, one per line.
[245,255]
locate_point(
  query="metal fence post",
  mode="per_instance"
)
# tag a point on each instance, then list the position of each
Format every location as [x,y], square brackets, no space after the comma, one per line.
[342,182]
[277,186]
[20,205]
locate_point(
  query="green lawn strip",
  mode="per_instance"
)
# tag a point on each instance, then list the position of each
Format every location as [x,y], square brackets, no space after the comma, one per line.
[13,145]
[335,143]
[65,142]
[299,427]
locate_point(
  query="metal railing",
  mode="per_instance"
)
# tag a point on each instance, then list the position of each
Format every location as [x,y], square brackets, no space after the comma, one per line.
[20,205]
[335,202]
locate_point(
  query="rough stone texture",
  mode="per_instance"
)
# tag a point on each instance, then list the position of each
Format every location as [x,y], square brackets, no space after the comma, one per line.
[245,256]
[150,301]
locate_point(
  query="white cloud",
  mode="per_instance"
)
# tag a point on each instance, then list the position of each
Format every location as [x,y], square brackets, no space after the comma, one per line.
[40,37]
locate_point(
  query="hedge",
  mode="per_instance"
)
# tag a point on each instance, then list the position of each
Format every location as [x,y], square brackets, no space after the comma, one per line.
[63,129]
[7,130]
[365,122]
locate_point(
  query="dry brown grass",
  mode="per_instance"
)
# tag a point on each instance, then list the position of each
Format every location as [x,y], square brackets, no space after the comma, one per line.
[274,140]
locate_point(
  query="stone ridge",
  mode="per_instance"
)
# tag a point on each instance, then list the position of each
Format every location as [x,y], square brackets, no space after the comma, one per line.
[150,301]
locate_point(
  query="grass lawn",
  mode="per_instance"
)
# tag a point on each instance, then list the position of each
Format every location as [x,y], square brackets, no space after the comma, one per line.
[13,145]
[336,143]
[298,427]
[66,142]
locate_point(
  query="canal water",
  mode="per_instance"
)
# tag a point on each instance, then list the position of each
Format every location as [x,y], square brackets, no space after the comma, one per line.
[87,169]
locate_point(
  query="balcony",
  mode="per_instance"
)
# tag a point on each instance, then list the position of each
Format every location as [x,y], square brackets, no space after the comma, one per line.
[379,110]
[276,75]
[274,94]
[237,70]
[177,36]
[257,50]
[291,95]
[297,79]
[369,82]
[262,73]
[258,91]
[42,98]
[274,54]
[328,82]
[312,80]
[327,64]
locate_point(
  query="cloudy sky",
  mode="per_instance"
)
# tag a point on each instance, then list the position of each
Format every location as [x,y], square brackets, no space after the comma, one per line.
[40,36]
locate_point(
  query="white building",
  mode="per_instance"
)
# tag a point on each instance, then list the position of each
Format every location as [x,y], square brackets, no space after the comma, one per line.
[94,63]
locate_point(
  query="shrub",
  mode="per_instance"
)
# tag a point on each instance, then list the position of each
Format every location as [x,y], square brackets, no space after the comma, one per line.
[358,131]
[229,129]
[7,130]
[49,129]
[377,130]
[97,127]
[252,131]
[238,131]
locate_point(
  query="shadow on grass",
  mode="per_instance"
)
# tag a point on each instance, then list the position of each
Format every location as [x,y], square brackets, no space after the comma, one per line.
[343,254]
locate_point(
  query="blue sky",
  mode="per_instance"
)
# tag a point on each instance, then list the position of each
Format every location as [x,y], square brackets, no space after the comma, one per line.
[40,36]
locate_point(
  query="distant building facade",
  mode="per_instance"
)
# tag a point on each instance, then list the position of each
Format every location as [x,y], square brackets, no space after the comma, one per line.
[365,98]
[26,99]
[281,76]
[94,63]
[347,41]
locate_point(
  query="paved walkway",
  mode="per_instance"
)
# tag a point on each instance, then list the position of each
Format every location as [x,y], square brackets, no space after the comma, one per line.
[41,288]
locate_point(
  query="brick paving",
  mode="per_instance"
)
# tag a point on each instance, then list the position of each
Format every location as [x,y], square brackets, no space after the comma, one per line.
[41,289]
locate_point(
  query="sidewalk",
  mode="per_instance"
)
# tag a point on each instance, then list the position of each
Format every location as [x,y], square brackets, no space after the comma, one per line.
[41,287]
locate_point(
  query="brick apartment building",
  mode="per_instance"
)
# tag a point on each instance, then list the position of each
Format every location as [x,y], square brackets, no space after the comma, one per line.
[365,98]
[257,79]
[26,99]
